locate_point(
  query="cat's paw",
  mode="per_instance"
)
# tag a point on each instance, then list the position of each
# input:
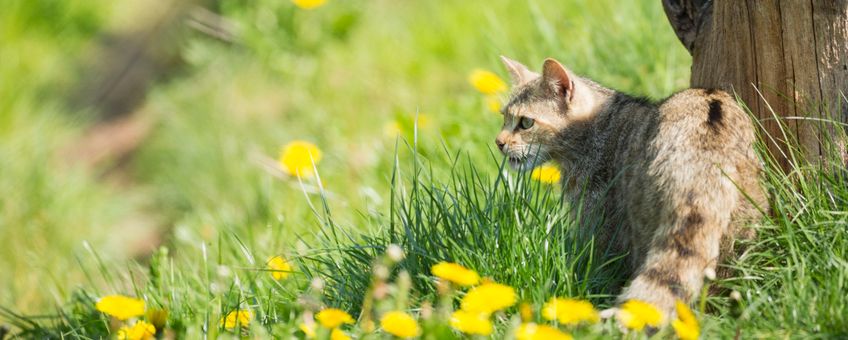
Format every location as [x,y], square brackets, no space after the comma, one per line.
[609,313]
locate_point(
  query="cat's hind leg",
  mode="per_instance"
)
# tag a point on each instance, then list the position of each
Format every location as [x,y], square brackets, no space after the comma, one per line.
[685,247]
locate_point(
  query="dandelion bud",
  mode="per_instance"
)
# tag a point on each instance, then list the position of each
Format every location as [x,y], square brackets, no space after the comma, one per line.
[736,308]
[381,289]
[710,274]
[309,319]
[224,271]
[368,326]
[404,283]
[403,279]
[395,253]
[443,287]
[735,295]
[426,310]
[381,272]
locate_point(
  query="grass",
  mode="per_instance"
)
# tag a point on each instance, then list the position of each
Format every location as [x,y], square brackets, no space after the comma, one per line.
[48,208]
[337,76]
[792,278]
[508,228]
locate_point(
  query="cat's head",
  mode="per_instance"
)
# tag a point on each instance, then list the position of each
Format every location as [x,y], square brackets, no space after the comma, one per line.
[541,105]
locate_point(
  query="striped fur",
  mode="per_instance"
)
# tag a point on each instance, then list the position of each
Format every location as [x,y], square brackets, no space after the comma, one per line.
[669,179]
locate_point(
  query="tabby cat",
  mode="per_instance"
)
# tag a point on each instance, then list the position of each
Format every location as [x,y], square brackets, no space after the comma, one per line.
[673,182]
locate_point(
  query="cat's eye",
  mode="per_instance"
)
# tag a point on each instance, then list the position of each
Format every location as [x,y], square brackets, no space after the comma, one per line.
[526,123]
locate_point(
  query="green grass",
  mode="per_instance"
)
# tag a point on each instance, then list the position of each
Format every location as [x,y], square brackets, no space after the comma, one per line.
[793,278]
[336,76]
[48,209]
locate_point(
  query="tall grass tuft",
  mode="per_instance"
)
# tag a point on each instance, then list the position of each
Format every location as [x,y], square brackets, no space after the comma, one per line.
[508,227]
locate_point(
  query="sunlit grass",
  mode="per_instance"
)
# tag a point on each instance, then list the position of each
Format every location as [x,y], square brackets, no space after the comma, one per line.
[381,89]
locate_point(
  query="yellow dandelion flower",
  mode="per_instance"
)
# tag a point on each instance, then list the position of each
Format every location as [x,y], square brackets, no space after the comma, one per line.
[486,82]
[423,121]
[157,317]
[238,318]
[686,326]
[488,298]
[121,307]
[570,311]
[399,324]
[139,331]
[308,4]
[493,103]
[526,311]
[333,317]
[392,129]
[297,158]
[280,268]
[471,323]
[338,334]
[546,174]
[455,273]
[635,314]
[532,331]
[309,331]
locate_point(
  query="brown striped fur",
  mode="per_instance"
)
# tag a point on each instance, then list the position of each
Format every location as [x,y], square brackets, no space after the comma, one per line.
[671,180]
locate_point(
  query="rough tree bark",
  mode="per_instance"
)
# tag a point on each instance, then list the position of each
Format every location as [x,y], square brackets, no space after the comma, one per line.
[782,57]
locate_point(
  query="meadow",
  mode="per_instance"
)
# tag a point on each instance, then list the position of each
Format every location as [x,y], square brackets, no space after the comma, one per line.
[208,224]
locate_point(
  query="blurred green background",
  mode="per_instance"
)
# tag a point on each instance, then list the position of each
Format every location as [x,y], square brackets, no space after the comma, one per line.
[126,125]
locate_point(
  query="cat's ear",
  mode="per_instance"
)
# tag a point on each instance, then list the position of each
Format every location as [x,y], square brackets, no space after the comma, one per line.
[558,78]
[519,73]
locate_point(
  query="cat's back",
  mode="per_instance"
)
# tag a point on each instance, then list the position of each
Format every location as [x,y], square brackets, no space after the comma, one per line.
[706,119]
[694,127]
[703,138]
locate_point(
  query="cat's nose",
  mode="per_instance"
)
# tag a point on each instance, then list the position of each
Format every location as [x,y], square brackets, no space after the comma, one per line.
[500,144]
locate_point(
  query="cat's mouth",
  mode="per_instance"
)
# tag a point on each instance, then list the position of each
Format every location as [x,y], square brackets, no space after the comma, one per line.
[520,163]
[526,160]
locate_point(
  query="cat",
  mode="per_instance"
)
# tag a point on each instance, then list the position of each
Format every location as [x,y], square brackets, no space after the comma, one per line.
[673,182]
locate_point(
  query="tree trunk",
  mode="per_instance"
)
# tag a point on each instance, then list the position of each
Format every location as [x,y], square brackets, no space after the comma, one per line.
[784,58]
